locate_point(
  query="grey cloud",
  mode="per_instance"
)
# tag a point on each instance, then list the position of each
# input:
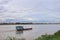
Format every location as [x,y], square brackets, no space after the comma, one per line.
[2,9]
[4,2]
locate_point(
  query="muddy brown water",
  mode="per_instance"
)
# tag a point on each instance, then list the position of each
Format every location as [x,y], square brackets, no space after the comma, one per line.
[37,30]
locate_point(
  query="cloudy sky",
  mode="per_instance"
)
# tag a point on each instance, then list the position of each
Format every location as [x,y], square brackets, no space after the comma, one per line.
[30,11]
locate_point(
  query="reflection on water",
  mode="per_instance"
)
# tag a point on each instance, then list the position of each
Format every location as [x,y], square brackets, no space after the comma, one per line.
[19,32]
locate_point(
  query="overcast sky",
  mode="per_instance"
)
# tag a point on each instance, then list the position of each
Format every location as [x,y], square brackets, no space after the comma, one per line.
[30,10]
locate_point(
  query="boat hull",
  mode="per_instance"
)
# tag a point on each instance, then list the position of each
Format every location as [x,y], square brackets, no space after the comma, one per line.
[25,29]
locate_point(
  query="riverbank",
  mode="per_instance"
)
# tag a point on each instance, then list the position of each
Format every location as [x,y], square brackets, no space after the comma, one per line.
[26,23]
[55,36]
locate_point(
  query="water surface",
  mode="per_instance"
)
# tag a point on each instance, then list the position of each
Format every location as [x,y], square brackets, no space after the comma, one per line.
[37,30]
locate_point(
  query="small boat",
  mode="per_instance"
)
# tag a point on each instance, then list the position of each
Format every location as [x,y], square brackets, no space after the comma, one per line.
[20,28]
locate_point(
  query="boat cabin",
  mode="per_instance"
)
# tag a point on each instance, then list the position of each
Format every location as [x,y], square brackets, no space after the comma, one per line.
[18,28]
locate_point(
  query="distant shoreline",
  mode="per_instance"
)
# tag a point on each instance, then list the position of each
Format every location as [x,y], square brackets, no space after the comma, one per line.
[26,23]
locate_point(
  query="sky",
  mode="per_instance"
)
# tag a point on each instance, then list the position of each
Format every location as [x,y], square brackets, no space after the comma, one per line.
[30,11]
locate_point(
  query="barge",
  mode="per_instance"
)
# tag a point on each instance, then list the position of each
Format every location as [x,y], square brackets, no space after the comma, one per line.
[20,28]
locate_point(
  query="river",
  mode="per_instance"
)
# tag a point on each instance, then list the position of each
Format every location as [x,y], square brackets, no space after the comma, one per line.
[37,30]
